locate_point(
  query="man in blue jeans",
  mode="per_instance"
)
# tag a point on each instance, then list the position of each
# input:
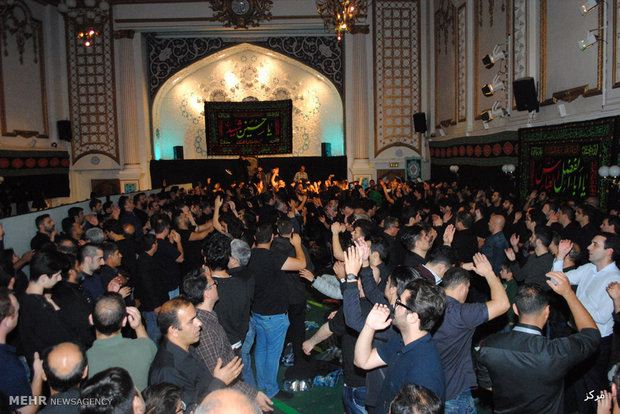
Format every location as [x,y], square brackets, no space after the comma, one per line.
[269,317]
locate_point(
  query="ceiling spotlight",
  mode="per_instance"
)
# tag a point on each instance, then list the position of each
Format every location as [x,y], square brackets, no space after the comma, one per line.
[589,5]
[497,55]
[490,88]
[495,112]
[590,39]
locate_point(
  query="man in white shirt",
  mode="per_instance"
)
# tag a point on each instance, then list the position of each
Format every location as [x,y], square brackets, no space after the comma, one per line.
[592,280]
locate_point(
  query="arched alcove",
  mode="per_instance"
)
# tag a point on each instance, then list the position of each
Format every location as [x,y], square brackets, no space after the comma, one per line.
[234,74]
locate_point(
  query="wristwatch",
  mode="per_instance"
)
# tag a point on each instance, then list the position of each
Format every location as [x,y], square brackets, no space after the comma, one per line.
[351,277]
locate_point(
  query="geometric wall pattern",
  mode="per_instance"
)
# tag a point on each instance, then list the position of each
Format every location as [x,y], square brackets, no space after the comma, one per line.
[167,56]
[397,73]
[92,94]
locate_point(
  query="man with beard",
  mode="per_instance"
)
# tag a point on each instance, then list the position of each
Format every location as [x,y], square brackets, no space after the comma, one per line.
[46,233]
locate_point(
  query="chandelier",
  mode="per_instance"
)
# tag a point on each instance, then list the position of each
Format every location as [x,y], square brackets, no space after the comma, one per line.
[342,15]
[88,17]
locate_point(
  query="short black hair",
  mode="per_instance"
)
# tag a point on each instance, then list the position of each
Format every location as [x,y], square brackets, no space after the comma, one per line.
[109,312]
[544,234]
[194,285]
[454,277]
[443,255]
[380,245]
[114,226]
[62,383]
[612,241]
[263,234]
[108,249]
[401,276]
[416,399]
[88,250]
[411,235]
[147,241]
[216,251]
[427,300]
[613,221]
[115,386]
[40,219]
[465,218]
[162,398]
[530,299]
[93,203]
[367,227]
[6,308]
[168,315]
[45,262]
[285,226]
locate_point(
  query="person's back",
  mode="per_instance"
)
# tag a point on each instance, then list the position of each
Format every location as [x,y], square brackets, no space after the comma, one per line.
[517,357]
[111,349]
[524,369]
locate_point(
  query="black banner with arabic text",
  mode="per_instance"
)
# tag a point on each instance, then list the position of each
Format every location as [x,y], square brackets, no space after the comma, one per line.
[563,160]
[249,128]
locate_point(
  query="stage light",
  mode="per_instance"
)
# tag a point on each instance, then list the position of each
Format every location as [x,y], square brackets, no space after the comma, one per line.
[588,6]
[495,112]
[590,39]
[490,88]
[491,59]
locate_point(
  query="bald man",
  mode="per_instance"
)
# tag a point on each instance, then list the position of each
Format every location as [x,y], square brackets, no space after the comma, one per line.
[227,401]
[64,368]
[494,245]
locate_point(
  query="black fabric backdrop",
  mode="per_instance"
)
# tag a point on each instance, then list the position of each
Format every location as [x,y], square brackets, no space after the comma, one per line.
[194,171]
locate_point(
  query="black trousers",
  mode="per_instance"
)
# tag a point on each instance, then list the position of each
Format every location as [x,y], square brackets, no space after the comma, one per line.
[590,375]
[297,331]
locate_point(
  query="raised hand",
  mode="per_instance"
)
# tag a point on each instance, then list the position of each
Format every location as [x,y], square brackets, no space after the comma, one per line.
[133,317]
[482,266]
[306,274]
[339,269]
[448,234]
[362,249]
[559,283]
[613,289]
[352,261]
[229,372]
[514,241]
[510,254]
[379,317]
[564,248]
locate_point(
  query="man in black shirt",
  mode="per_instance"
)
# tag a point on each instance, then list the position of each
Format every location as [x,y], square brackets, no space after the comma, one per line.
[296,297]
[524,369]
[150,286]
[235,284]
[74,307]
[176,361]
[169,253]
[40,322]
[46,232]
[270,305]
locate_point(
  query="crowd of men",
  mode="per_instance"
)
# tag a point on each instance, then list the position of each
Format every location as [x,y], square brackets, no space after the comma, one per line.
[183,301]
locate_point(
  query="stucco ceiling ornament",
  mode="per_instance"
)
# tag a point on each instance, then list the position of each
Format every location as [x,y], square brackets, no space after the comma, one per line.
[241,13]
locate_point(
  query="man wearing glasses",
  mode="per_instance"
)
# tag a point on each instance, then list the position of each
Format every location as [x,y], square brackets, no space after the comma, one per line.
[411,357]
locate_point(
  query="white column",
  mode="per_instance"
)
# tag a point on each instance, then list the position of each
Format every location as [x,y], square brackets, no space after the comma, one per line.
[358,102]
[127,105]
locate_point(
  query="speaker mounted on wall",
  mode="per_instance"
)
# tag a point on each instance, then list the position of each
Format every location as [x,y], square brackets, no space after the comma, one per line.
[525,94]
[64,130]
[419,122]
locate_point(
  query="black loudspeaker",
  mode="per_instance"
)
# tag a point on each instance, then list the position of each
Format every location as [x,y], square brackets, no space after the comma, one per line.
[525,94]
[178,152]
[64,130]
[419,122]
[326,149]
